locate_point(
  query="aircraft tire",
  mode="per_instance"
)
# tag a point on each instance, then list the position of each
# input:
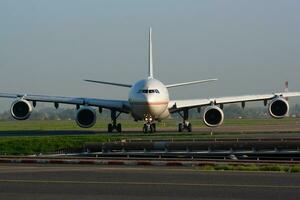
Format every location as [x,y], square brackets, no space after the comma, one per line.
[189,127]
[154,127]
[110,128]
[180,127]
[145,128]
[119,128]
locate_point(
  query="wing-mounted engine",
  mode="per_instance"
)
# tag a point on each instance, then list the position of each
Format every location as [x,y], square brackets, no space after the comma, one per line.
[86,117]
[278,108]
[213,116]
[20,109]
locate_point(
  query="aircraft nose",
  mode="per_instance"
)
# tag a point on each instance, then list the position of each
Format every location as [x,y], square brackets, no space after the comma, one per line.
[149,98]
[155,107]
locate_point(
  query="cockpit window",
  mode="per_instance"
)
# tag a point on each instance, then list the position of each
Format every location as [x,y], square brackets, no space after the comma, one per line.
[151,91]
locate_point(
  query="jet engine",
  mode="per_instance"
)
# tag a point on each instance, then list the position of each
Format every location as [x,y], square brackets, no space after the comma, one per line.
[278,108]
[86,117]
[20,109]
[213,116]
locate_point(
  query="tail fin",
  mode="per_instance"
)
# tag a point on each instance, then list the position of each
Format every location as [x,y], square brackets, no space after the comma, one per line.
[150,72]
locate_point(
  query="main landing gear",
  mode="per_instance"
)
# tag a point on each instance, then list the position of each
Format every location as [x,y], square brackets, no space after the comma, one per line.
[149,127]
[114,125]
[185,125]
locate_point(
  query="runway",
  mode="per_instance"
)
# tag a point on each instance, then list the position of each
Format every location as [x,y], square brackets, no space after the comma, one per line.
[20,181]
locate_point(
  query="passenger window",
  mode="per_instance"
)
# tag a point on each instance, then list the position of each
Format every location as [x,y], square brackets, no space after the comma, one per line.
[151,91]
[145,91]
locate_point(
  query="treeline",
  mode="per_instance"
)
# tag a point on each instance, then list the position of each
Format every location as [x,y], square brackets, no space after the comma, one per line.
[230,111]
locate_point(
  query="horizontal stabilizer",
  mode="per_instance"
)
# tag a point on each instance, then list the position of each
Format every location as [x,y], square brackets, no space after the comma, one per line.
[190,83]
[110,83]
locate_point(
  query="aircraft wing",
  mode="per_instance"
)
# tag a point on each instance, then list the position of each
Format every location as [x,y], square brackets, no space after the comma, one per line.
[178,105]
[119,105]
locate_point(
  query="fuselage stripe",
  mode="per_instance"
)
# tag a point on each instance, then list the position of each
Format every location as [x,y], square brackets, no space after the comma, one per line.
[149,103]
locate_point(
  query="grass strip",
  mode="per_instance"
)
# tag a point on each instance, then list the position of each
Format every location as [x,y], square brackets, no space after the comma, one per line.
[252,167]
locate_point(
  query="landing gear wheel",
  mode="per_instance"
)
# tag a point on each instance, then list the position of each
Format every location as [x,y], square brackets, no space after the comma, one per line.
[145,129]
[119,128]
[189,127]
[149,128]
[110,128]
[180,127]
[113,125]
[154,127]
[186,125]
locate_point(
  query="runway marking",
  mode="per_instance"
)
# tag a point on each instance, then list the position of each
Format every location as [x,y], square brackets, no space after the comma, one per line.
[148,183]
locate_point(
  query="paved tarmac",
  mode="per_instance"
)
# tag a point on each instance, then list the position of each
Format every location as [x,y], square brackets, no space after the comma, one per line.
[42,182]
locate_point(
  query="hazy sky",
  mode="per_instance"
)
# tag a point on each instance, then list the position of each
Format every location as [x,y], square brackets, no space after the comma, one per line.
[49,46]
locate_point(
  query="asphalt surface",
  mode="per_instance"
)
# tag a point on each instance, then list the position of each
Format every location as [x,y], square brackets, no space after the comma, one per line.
[24,182]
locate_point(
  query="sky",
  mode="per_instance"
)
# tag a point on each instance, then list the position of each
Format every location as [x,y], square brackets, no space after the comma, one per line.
[50,46]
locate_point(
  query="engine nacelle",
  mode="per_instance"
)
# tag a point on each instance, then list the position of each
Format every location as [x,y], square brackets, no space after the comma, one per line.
[213,116]
[20,109]
[278,108]
[86,117]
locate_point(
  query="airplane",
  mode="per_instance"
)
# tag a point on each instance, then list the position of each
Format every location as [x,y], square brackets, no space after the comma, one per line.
[149,101]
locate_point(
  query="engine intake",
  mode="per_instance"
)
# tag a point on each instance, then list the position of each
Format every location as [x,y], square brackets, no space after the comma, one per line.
[278,108]
[20,109]
[86,117]
[213,116]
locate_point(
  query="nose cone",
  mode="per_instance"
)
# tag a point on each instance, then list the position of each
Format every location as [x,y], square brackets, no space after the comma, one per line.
[148,97]
[155,106]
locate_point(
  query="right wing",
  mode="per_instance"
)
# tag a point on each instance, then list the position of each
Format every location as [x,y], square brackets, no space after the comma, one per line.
[119,105]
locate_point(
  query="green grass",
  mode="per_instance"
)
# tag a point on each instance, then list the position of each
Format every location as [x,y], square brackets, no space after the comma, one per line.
[252,167]
[34,144]
[46,144]
[102,124]
[28,145]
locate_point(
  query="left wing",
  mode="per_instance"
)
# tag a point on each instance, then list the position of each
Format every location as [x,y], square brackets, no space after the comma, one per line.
[119,105]
[178,105]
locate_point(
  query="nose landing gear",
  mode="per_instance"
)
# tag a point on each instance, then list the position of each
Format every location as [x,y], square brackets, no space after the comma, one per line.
[149,127]
[185,125]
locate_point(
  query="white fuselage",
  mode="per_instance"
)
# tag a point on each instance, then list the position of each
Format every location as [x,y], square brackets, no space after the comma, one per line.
[149,98]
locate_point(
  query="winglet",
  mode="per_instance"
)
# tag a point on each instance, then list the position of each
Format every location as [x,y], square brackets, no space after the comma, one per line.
[150,72]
